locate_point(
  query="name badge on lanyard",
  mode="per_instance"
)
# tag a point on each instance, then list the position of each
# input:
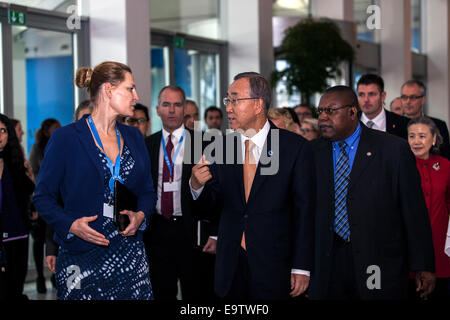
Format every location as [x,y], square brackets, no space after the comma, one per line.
[171,185]
[113,168]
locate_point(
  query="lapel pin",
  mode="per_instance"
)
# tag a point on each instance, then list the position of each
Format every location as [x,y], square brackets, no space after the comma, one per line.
[270,153]
[393,126]
[369,154]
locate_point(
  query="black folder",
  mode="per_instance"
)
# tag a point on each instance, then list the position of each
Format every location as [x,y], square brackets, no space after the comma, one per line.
[124,199]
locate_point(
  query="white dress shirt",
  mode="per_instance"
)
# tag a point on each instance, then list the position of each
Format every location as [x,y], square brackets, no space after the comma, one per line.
[178,170]
[258,139]
[379,121]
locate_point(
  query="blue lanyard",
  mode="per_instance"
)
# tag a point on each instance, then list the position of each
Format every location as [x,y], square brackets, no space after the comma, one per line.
[115,169]
[171,165]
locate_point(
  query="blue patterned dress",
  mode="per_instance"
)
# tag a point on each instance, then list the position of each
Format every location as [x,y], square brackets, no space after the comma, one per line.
[119,271]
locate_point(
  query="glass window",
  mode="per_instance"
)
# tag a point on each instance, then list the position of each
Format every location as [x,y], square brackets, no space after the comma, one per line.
[42,79]
[283,99]
[160,78]
[416,22]
[194,17]
[51,5]
[360,14]
[291,8]
[195,72]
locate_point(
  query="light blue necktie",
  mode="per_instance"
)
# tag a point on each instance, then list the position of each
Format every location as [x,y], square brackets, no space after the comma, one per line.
[341,179]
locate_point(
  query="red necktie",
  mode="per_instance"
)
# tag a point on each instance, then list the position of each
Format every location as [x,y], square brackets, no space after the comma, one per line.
[167,197]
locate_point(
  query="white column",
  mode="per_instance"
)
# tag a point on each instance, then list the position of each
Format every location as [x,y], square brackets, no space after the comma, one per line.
[247,25]
[335,9]
[438,55]
[395,41]
[120,31]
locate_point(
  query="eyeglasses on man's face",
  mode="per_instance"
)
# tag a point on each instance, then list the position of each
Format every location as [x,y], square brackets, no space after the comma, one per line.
[233,101]
[411,97]
[132,121]
[329,111]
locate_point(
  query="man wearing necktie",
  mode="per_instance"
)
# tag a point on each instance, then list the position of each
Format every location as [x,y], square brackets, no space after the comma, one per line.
[372,224]
[371,97]
[264,247]
[171,237]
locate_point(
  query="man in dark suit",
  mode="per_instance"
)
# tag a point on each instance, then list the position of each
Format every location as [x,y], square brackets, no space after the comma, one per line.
[371,97]
[171,238]
[372,225]
[265,190]
[413,96]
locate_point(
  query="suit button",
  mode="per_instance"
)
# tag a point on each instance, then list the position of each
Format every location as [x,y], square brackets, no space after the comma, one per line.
[245,216]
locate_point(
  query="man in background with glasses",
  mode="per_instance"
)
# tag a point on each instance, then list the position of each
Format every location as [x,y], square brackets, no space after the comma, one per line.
[264,247]
[372,225]
[140,119]
[413,96]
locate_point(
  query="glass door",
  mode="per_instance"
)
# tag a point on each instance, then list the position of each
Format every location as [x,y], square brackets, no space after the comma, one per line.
[42,78]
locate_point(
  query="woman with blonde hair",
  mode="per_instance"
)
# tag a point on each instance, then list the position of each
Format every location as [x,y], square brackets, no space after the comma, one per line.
[282,118]
[81,164]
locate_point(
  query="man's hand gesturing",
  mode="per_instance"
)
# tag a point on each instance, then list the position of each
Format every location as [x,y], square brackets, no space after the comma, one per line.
[200,174]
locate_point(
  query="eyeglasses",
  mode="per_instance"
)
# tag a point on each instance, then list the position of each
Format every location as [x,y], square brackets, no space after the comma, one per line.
[227,101]
[329,111]
[132,121]
[3,130]
[412,97]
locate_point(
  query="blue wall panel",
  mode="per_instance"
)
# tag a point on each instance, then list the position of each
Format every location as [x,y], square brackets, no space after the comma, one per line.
[49,92]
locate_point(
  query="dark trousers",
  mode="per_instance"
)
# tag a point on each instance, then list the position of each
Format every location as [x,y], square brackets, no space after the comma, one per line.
[342,284]
[13,279]
[204,264]
[245,288]
[169,252]
[38,232]
[240,288]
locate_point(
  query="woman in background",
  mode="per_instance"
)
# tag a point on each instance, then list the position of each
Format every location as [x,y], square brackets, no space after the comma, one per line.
[309,129]
[39,228]
[16,189]
[424,140]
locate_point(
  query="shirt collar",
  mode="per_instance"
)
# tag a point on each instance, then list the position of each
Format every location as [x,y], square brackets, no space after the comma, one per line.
[378,120]
[350,141]
[177,133]
[259,138]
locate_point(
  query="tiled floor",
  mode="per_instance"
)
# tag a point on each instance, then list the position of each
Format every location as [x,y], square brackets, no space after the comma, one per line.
[31,292]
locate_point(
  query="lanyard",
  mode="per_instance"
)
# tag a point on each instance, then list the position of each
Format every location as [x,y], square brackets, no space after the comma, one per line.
[115,169]
[170,164]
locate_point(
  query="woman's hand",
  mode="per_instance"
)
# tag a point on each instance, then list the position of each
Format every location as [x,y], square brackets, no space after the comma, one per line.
[51,263]
[81,229]
[136,219]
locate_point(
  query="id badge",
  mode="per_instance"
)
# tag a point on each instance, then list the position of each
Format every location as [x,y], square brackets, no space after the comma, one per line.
[170,186]
[108,211]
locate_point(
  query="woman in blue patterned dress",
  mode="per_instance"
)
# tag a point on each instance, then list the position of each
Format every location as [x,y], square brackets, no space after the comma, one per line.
[75,192]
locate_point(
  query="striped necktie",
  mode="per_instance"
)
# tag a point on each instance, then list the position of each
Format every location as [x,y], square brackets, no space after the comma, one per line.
[341,179]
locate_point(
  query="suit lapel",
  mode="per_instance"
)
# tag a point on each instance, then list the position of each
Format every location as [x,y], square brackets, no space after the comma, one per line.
[364,155]
[87,141]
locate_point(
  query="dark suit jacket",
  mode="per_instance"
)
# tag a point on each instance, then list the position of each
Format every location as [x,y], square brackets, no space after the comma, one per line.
[72,171]
[277,219]
[396,124]
[190,159]
[388,217]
